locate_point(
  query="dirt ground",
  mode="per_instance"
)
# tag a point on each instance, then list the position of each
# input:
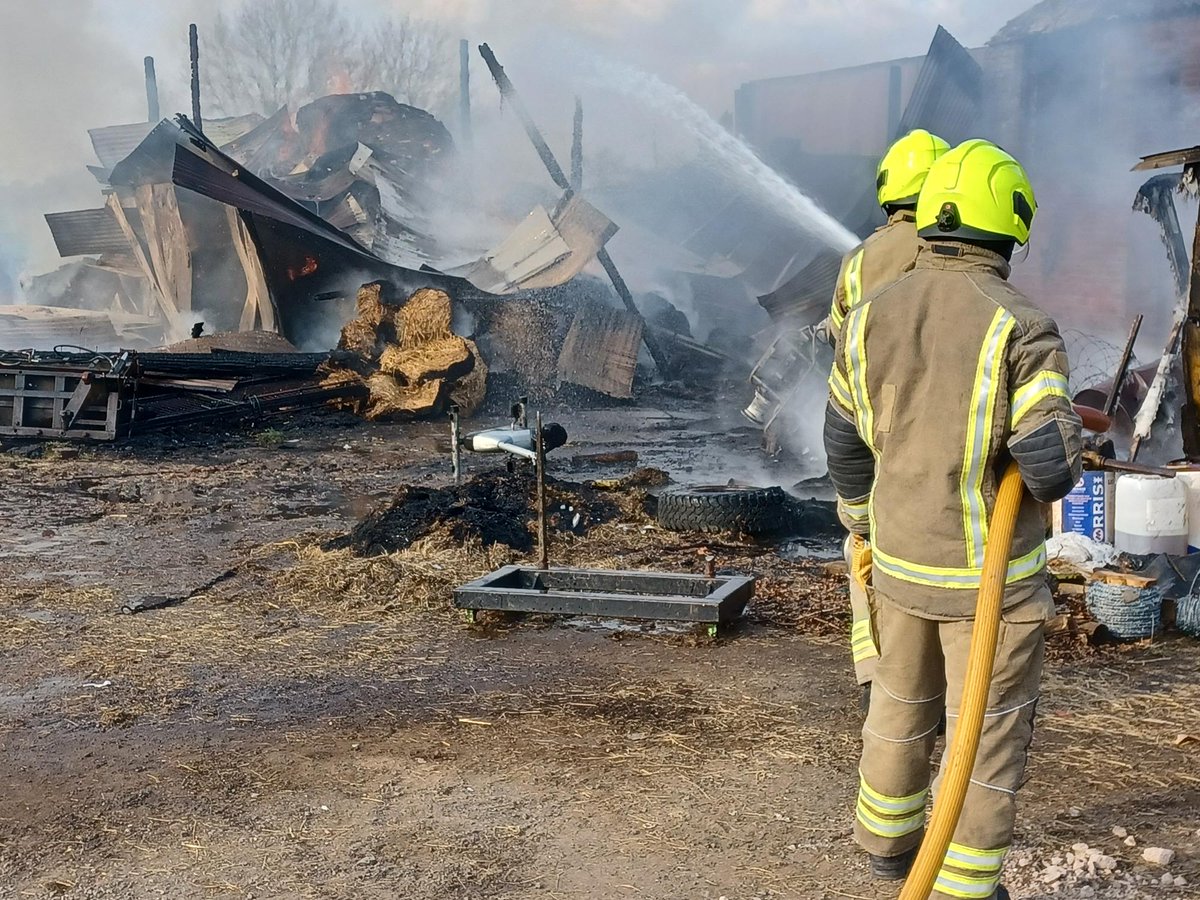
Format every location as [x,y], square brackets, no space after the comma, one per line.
[318,724]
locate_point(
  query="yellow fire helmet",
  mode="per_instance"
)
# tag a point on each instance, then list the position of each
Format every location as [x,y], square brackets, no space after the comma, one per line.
[977,192]
[903,168]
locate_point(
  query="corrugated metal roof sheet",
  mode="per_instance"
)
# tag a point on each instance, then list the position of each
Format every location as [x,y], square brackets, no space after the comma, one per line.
[115,142]
[83,232]
[949,90]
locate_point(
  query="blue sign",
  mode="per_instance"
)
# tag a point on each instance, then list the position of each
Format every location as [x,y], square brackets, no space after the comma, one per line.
[1087,510]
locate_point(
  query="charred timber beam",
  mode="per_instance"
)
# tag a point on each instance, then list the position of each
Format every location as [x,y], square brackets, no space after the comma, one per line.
[509,93]
[464,92]
[577,148]
[152,114]
[194,50]
[1114,394]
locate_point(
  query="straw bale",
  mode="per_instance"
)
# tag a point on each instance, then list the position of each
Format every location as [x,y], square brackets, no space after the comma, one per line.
[424,318]
[447,358]
[470,390]
[389,397]
[369,305]
[359,337]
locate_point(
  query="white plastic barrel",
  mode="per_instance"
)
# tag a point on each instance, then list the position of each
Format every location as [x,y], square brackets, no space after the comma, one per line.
[1190,476]
[1152,515]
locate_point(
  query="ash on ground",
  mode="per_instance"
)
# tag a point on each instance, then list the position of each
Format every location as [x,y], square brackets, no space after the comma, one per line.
[492,508]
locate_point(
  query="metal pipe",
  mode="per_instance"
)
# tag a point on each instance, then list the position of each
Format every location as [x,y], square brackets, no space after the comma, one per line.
[517,451]
[194,48]
[152,113]
[543,536]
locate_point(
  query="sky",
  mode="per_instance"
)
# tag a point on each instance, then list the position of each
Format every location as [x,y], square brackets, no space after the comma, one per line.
[70,65]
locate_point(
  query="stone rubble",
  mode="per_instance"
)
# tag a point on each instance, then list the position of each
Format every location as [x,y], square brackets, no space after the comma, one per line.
[1084,871]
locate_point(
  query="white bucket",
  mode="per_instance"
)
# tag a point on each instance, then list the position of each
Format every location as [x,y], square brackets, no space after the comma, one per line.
[1152,515]
[1190,476]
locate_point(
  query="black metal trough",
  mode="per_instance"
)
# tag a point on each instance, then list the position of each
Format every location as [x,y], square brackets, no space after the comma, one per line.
[609,594]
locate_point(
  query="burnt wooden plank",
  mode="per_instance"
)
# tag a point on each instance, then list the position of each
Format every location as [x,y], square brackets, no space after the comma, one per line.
[601,350]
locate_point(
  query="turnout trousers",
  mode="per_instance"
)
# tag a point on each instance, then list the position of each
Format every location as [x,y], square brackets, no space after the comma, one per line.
[922,664]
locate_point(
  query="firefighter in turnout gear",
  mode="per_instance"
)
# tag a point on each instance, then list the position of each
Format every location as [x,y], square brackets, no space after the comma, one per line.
[941,378]
[878,261]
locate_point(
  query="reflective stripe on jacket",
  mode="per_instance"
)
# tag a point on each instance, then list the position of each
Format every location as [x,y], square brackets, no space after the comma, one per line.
[940,373]
[878,261]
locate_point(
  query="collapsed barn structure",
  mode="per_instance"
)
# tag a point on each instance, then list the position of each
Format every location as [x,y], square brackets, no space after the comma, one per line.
[271,225]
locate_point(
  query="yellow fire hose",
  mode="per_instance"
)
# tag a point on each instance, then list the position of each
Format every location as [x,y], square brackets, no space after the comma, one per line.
[947,807]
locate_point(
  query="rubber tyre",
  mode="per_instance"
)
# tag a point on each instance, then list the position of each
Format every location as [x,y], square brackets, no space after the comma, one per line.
[716,509]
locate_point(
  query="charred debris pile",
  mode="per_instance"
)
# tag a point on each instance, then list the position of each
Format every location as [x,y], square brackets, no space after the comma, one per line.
[491,509]
[317,227]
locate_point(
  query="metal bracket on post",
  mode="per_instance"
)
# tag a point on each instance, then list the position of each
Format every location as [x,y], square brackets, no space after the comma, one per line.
[455,445]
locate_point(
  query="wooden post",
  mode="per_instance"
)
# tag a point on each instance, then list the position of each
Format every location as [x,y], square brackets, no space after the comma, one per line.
[464,93]
[540,465]
[577,148]
[509,93]
[152,113]
[194,48]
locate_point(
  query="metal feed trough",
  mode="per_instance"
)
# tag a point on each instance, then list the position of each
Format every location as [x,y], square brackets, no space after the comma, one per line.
[701,599]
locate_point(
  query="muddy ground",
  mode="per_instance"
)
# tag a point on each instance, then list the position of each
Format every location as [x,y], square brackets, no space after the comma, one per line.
[313,723]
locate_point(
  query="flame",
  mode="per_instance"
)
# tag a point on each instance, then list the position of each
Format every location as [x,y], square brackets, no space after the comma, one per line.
[309,266]
[340,83]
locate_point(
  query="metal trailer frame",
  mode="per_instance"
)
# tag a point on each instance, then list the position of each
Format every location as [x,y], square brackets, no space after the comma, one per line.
[700,599]
[60,402]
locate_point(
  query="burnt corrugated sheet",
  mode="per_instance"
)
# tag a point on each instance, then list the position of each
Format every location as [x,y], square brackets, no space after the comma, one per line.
[180,154]
[806,296]
[84,232]
[250,193]
[948,93]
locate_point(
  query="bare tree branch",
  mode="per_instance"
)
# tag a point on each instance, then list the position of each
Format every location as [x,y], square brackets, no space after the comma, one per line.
[275,52]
